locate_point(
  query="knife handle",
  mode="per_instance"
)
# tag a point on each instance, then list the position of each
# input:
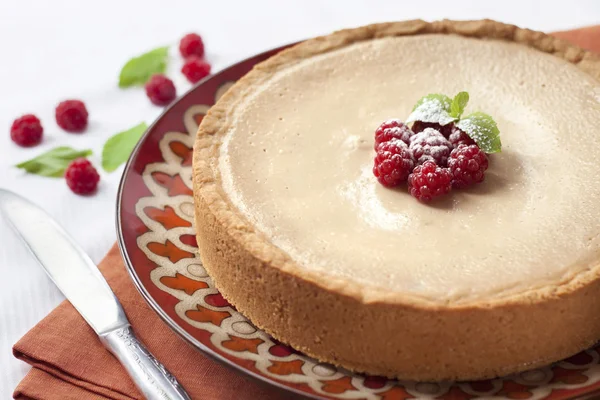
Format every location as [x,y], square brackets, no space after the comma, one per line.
[149,375]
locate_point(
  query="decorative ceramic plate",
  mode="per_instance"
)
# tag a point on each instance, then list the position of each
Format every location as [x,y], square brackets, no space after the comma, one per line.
[156,234]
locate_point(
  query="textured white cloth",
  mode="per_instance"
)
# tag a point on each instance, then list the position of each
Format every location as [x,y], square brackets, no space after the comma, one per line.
[54,50]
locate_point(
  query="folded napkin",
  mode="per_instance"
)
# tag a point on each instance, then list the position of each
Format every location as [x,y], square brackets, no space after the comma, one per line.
[587,38]
[70,363]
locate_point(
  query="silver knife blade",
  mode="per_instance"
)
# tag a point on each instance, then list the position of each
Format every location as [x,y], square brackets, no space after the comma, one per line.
[65,262]
[82,284]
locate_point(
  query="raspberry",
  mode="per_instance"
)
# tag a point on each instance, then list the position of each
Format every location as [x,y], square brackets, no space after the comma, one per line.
[72,116]
[191,44]
[430,145]
[195,69]
[160,90]
[393,162]
[420,126]
[428,181]
[392,128]
[26,131]
[458,137]
[467,165]
[82,177]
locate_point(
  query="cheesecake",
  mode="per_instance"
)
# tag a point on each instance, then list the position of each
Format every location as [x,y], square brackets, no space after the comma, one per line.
[297,233]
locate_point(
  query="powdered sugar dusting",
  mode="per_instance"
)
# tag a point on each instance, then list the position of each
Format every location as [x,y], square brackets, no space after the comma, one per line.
[402,134]
[483,130]
[352,142]
[475,132]
[399,142]
[431,110]
[430,145]
[362,193]
[392,128]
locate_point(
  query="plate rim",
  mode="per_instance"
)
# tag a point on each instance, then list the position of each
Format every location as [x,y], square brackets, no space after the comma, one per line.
[175,327]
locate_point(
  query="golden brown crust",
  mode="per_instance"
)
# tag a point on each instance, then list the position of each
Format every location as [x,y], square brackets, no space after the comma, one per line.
[362,328]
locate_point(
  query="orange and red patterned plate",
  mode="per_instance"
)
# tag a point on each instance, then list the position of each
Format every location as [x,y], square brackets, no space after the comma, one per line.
[156,234]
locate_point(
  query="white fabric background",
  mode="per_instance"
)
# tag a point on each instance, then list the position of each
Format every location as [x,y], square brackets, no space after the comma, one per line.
[53,50]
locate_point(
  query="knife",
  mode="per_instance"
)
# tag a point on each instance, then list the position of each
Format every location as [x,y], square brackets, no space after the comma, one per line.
[80,281]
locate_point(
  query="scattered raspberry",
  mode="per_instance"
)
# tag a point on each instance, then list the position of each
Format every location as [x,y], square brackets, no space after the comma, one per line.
[195,68]
[26,131]
[458,137]
[392,128]
[428,181]
[420,126]
[393,162]
[82,177]
[72,116]
[467,165]
[160,90]
[191,44]
[430,145]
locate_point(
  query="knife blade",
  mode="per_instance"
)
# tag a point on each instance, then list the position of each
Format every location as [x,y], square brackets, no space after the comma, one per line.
[78,278]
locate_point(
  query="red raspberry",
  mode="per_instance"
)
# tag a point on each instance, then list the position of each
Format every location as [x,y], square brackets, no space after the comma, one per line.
[160,90]
[467,165]
[420,126]
[72,116]
[458,137]
[191,44]
[393,162]
[195,69]
[430,145]
[26,131]
[392,128]
[82,177]
[428,181]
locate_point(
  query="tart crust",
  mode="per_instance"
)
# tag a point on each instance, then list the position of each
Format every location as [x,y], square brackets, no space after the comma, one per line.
[361,328]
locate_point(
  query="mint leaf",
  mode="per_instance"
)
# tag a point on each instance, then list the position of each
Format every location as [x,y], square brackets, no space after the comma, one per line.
[118,148]
[458,104]
[139,69]
[53,163]
[483,130]
[432,108]
[442,98]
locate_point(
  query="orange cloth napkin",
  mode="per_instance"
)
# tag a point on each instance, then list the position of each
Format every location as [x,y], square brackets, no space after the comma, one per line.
[587,38]
[69,363]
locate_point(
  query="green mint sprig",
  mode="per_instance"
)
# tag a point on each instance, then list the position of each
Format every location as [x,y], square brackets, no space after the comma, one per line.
[457,108]
[441,109]
[53,163]
[116,151]
[432,108]
[483,130]
[118,148]
[139,69]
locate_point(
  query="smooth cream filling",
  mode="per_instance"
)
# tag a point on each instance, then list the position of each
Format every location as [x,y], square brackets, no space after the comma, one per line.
[297,163]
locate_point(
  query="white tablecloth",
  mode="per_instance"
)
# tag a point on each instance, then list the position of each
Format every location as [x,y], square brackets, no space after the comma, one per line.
[53,50]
